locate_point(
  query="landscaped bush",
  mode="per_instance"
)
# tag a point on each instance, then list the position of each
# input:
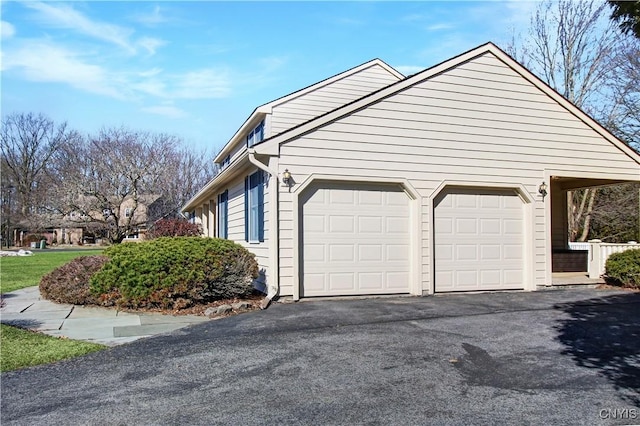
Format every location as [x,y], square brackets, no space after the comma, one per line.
[69,283]
[174,228]
[624,268]
[174,273]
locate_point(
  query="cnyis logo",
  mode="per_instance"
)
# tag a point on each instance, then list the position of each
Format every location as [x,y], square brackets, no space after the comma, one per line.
[619,413]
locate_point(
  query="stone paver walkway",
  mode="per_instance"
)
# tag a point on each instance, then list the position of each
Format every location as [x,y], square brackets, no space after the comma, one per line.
[25,308]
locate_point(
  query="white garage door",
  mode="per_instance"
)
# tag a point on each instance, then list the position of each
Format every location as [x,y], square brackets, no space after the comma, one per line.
[355,240]
[479,240]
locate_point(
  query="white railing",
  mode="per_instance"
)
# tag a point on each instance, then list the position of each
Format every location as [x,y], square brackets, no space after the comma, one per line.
[599,252]
[578,246]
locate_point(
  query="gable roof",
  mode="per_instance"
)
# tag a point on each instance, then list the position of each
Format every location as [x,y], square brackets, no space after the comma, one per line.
[268,107]
[270,146]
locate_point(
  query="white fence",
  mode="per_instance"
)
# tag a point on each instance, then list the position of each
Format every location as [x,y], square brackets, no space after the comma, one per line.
[579,246]
[599,252]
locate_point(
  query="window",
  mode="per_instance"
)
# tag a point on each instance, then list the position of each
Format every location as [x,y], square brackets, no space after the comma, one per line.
[256,135]
[254,207]
[223,215]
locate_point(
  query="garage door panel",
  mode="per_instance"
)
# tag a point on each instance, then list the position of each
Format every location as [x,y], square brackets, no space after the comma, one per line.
[315,253]
[341,252]
[397,253]
[483,250]
[370,224]
[364,239]
[371,281]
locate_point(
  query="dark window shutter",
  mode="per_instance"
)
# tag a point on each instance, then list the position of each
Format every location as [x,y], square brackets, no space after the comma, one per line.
[261,206]
[246,208]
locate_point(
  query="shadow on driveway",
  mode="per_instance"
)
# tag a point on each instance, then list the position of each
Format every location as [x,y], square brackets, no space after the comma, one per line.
[604,334]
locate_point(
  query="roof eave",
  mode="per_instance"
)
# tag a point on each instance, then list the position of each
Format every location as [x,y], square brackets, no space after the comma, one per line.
[218,180]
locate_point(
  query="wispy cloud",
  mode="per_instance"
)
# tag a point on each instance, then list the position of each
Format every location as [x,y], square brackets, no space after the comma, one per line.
[153,18]
[166,110]
[46,61]
[202,84]
[7,30]
[42,61]
[439,27]
[150,44]
[66,17]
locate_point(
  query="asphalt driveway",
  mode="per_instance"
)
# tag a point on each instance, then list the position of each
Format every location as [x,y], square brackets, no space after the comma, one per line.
[553,357]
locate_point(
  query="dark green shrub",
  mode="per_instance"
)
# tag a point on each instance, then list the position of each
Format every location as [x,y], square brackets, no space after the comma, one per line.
[70,282]
[624,268]
[174,273]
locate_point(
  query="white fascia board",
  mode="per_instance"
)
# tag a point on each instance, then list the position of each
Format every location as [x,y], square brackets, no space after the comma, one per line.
[209,189]
[239,137]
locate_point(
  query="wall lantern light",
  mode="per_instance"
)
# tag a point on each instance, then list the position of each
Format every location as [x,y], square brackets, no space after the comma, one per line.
[542,189]
[286,178]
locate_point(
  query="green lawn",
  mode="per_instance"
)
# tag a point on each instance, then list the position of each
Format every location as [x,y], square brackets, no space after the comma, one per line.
[23,348]
[25,271]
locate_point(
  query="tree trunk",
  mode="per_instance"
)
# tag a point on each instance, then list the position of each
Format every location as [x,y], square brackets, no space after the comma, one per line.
[591,194]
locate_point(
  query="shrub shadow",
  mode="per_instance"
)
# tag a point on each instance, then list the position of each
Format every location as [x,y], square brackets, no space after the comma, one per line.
[604,334]
[28,324]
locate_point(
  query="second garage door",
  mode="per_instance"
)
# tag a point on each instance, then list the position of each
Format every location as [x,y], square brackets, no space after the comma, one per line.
[479,240]
[355,240]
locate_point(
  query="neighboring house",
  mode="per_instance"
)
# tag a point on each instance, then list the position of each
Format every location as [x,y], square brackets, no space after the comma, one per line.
[78,227]
[452,179]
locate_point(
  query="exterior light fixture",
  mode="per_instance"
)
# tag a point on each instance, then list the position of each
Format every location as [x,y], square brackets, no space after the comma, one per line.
[286,178]
[542,189]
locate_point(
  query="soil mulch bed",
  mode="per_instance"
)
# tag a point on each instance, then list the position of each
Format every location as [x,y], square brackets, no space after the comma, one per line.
[253,301]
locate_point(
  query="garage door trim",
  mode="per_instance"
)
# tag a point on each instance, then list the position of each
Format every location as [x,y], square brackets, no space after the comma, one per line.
[415,287]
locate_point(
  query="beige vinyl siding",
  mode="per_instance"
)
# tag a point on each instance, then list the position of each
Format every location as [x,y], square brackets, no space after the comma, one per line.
[236,222]
[310,105]
[480,123]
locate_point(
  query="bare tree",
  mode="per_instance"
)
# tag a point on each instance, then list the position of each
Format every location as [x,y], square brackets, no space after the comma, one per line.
[121,180]
[581,54]
[623,119]
[28,143]
[615,215]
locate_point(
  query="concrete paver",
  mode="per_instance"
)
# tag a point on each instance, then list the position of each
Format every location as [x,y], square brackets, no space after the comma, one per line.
[25,308]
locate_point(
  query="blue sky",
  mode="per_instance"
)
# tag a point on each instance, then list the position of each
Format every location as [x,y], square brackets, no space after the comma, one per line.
[198,69]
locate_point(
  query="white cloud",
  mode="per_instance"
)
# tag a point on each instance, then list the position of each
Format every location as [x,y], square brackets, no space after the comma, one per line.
[7,30]
[152,19]
[439,27]
[42,61]
[150,44]
[408,70]
[202,84]
[166,110]
[64,16]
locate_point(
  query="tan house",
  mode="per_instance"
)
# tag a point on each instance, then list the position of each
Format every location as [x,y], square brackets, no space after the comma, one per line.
[452,179]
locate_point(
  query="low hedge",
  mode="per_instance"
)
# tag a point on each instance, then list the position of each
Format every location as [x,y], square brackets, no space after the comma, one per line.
[624,268]
[69,283]
[174,273]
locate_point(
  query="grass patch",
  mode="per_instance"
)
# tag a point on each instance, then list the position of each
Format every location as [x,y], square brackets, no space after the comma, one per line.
[26,271]
[22,348]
